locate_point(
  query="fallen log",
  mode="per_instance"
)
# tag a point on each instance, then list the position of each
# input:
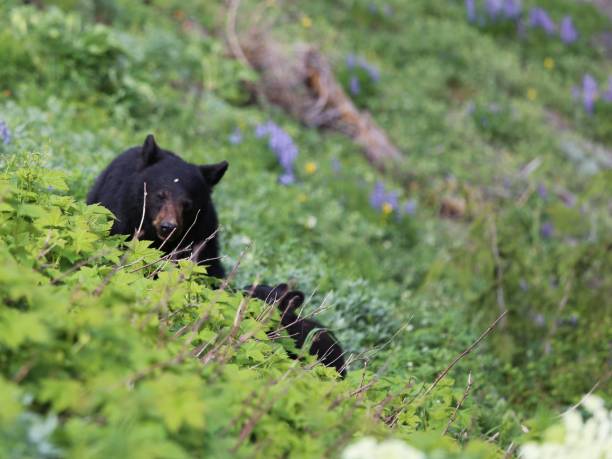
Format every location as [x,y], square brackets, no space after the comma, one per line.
[299,79]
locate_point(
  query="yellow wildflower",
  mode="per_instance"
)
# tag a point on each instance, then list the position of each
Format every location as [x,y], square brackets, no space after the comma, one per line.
[310,167]
[549,63]
[306,22]
[387,208]
[302,198]
[532,94]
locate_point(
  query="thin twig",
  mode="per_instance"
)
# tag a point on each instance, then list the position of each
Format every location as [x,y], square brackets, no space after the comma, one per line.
[144,206]
[464,353]
[393,419]
[603,379]
[499,270]
[459,403]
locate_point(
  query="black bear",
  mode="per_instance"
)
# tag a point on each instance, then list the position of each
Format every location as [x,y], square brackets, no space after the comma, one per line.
[178,208]
[324,344]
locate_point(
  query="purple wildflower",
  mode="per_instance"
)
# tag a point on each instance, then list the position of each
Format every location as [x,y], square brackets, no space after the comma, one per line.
[5,134]
[589,93]
[542,191]
[235,137]
[547,230]
[607,96]
[470,7]
[494,8]
[354,85]
[410,207]
[377,197]
[351,61]
[539,18]
[371,70]
[512,8]
[336,165]
[568,31]
[569,199]
[283,147]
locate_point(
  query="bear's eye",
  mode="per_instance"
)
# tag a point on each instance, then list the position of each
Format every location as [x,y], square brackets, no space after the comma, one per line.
[162,195]
[187,205]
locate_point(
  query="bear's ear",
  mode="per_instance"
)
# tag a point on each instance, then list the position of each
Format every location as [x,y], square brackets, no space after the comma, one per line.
[213,173]
[292,300]
[150,151]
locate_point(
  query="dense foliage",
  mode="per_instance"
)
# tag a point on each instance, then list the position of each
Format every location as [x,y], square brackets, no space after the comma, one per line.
[502,202]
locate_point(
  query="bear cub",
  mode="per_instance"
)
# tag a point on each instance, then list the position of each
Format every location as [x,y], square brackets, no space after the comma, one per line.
[178,209]
[324,344]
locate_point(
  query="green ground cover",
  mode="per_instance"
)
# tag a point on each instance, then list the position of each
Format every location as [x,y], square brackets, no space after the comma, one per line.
[497,116]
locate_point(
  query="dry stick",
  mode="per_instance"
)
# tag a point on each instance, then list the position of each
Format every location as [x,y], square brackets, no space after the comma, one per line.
[560,308]
[466,352]
[196,251]
[176,249]
[144,206]
[380,407]
[195,328]
[442,374]
[604,378]
[254,419]
[499,271]
[459,403]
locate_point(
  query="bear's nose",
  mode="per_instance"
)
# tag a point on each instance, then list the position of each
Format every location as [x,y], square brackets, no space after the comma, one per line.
[166,228]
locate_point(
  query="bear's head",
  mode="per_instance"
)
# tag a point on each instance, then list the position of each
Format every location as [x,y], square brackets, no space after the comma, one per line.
[178,193]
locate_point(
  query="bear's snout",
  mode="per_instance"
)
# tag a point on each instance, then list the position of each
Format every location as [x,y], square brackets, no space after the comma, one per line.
[168,221]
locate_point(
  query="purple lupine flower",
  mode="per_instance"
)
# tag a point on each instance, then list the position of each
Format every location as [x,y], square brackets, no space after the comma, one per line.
[568,31]
[542,191]
[371,70]
[410,207]
[512,8]
[235,137]
[607,95]
[377,197]
[569,199]
[5,134]
[470,8]
[283,147]
[539,18]
[351,61]
[589,93]
[392,199]
[547,230]
[336,165]
[494,8]
[354,85]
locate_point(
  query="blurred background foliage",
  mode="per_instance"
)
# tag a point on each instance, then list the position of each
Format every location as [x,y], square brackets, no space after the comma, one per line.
[502,201]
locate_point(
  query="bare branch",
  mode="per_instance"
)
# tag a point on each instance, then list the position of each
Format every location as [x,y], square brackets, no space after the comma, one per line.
[459,403]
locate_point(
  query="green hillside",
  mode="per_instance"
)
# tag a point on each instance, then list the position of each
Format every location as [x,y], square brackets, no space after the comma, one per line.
[501,202]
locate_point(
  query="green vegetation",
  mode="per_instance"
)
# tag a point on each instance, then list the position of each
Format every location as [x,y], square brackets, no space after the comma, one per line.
[97,335]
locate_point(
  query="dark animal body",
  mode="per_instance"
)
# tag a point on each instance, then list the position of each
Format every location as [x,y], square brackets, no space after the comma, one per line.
[324,344]
[179,207]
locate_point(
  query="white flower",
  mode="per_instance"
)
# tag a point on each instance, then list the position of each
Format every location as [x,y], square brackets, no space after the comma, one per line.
[590,439]
[368,448]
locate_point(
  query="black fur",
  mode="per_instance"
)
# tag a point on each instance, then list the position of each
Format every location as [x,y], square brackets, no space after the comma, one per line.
[180,186]
[324,344]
